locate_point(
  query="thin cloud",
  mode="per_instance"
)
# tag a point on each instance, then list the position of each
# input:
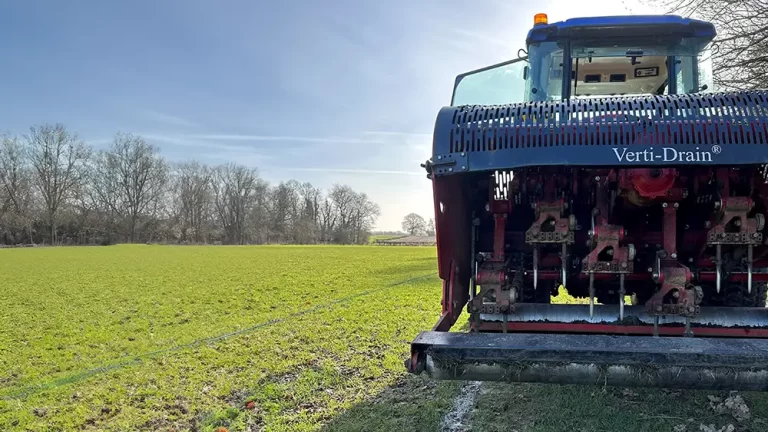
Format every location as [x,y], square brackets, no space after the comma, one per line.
[248,137]
[347,171]
[168,119]
[249,159]
[396,133]
[183,141]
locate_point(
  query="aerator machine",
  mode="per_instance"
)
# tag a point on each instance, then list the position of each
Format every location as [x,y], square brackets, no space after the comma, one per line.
[600,214]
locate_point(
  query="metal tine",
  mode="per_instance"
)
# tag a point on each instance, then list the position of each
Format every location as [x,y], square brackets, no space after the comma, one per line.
[591,294]
[749,269]
[622,293]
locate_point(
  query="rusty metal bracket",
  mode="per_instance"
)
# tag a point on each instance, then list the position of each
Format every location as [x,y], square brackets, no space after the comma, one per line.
[676,296]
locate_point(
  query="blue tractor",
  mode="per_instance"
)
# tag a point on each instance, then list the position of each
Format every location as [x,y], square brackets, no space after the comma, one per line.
[602,163]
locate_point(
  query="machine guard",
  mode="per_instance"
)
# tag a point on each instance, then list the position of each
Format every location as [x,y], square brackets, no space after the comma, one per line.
[630,361]
[574,344]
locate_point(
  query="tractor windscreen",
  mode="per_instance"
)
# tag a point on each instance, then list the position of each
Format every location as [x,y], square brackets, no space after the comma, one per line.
[634,70]
[598,69]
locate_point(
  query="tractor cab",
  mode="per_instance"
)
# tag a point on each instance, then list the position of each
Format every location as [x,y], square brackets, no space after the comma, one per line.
[597,57]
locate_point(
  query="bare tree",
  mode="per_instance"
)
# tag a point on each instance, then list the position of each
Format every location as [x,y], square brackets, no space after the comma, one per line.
[134,177]
[739,52]
[16,180]
[259,214]
[414,224]
[103,191]
[431,227]
[308,220]
[343,198]
[234,188]
[58,165]
[284,203]
[328,220]
[193,199]
[364,215]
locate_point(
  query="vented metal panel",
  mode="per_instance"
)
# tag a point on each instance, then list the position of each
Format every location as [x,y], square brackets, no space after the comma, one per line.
[683,119]
[539,132]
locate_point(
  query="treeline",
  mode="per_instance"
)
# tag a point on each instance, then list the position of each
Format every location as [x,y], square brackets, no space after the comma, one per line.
[56,189]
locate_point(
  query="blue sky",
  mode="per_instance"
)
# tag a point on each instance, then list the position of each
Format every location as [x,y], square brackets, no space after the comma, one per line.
[320,91]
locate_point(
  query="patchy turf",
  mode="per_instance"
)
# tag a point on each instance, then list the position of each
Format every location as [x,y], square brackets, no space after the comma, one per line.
[412,403]
[545,408]
[341,333]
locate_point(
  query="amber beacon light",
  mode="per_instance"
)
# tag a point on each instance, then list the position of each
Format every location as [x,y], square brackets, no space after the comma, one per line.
[540,19]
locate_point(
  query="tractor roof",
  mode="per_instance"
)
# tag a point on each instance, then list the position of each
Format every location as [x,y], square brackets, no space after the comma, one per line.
[651,27]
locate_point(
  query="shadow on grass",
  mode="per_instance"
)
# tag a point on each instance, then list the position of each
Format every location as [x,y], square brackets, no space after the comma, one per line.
[551,408]
[413,403]
[417,403]
[420,404]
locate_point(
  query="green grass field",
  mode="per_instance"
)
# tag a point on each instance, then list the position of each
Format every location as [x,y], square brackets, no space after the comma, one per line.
[95,338]
[278,338]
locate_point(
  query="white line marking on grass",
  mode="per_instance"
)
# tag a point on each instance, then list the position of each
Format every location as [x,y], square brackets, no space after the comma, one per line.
[453,421]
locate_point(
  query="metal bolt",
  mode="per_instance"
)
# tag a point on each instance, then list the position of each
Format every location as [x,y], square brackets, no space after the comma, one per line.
[674,255]
[664,205]
[677,205]
[597,178]
[676,294]
[658,308]
[450,169]
[623,265]
[691,309]
[687,226]
[690,260]
[650,269]
[462,153]
[707,224]
[463,168]
[439,157]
